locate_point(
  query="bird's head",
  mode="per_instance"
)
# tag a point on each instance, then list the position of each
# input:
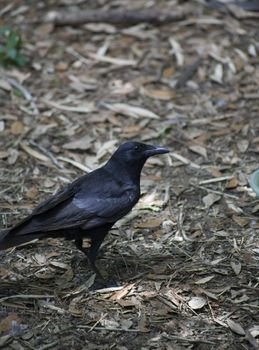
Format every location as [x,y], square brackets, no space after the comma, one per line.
[132,152]
[128,160]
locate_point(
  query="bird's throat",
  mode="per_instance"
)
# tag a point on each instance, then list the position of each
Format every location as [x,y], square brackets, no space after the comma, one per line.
[125,171]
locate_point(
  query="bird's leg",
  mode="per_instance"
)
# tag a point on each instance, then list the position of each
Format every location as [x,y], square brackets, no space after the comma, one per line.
[91,253]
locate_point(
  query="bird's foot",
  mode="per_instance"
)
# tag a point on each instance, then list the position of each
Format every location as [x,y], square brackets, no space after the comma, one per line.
[103,284]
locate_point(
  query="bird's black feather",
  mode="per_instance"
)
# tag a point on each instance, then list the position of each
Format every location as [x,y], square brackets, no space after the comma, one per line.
[89,206]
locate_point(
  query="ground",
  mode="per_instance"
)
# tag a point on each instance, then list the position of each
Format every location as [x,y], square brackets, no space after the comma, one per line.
[186,258]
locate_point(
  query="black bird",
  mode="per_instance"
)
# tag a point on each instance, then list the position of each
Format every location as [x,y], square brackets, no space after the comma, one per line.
[89,206]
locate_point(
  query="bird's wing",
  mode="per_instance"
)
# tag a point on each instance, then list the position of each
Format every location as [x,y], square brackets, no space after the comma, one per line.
[109,208]
[47,208]
[88,202]
[59,197]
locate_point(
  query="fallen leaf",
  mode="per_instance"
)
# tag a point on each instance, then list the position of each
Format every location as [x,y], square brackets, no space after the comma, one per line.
[235,327]
[243,145]
[13,156]
[4,154]
[122,292]
[197,302]
[61,66]
[40,259]
[126,324]
[2,125]
[130,111]
[17,128]
[83,108]
[236,266]
[83,143]
[164,95]
[151,223]
[210,199]
[217,75]
[101,28]
[199,150]
[33,152]
[241,221]
[232,183]
[60,265]
[254,330]
[177,51]
[32,192]
[204,280]
[10,323]
[4,85]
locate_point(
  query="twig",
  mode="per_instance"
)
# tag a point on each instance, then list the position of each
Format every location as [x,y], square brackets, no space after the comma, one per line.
[77,55]
[62,18]
[28,296]
[188,340]
[216,192]
[47,153]
[96,323]
[26,94]
[75,164]
[48,346]
[112,329]
[184,160]
[216,179]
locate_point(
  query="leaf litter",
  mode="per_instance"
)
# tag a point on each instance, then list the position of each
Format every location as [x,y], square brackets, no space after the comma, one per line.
[186,258]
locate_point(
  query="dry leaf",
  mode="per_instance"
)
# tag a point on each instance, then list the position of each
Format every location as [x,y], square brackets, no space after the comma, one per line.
[236,266]
[232,183]
[60,265]
[4,85]
[243,145]
[10,323]
[217,76]
[17,128]
[83,143]
[40,259]
[199,150]
[254,330]
[164,95]
[4,154]
[241,221]
[130,111]
[83,108]
[235,327]
[197,302]
[101,28]
[155,222]
[112,60]
[204,280]
[13,156]
[177,51]
[122,292]
[2,125]
[210,199]
[33,152]
[61,66]
[32,192]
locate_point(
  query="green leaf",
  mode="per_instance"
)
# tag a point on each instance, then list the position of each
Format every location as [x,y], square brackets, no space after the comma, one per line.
[11,53]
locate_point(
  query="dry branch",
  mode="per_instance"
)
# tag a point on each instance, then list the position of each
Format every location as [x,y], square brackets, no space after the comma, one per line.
[113,16]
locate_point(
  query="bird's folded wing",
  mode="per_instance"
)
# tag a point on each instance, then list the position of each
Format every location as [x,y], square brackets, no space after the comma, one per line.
[59,197]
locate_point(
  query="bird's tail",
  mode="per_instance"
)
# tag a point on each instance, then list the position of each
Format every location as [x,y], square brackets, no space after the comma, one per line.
[9,239]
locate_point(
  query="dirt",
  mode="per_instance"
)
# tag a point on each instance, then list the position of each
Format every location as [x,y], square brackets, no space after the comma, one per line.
[186,258]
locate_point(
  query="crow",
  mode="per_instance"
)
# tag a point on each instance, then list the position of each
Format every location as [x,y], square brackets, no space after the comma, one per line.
[89,206]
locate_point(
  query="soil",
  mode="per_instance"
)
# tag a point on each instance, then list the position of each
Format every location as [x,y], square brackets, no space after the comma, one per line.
[186,258]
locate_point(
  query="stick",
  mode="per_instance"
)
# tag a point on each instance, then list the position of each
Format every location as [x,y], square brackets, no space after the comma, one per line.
[62,18]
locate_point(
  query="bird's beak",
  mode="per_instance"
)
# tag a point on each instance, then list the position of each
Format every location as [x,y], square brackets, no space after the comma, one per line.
[153,150]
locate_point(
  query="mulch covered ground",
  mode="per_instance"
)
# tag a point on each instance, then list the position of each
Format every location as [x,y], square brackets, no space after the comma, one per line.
[186,258]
